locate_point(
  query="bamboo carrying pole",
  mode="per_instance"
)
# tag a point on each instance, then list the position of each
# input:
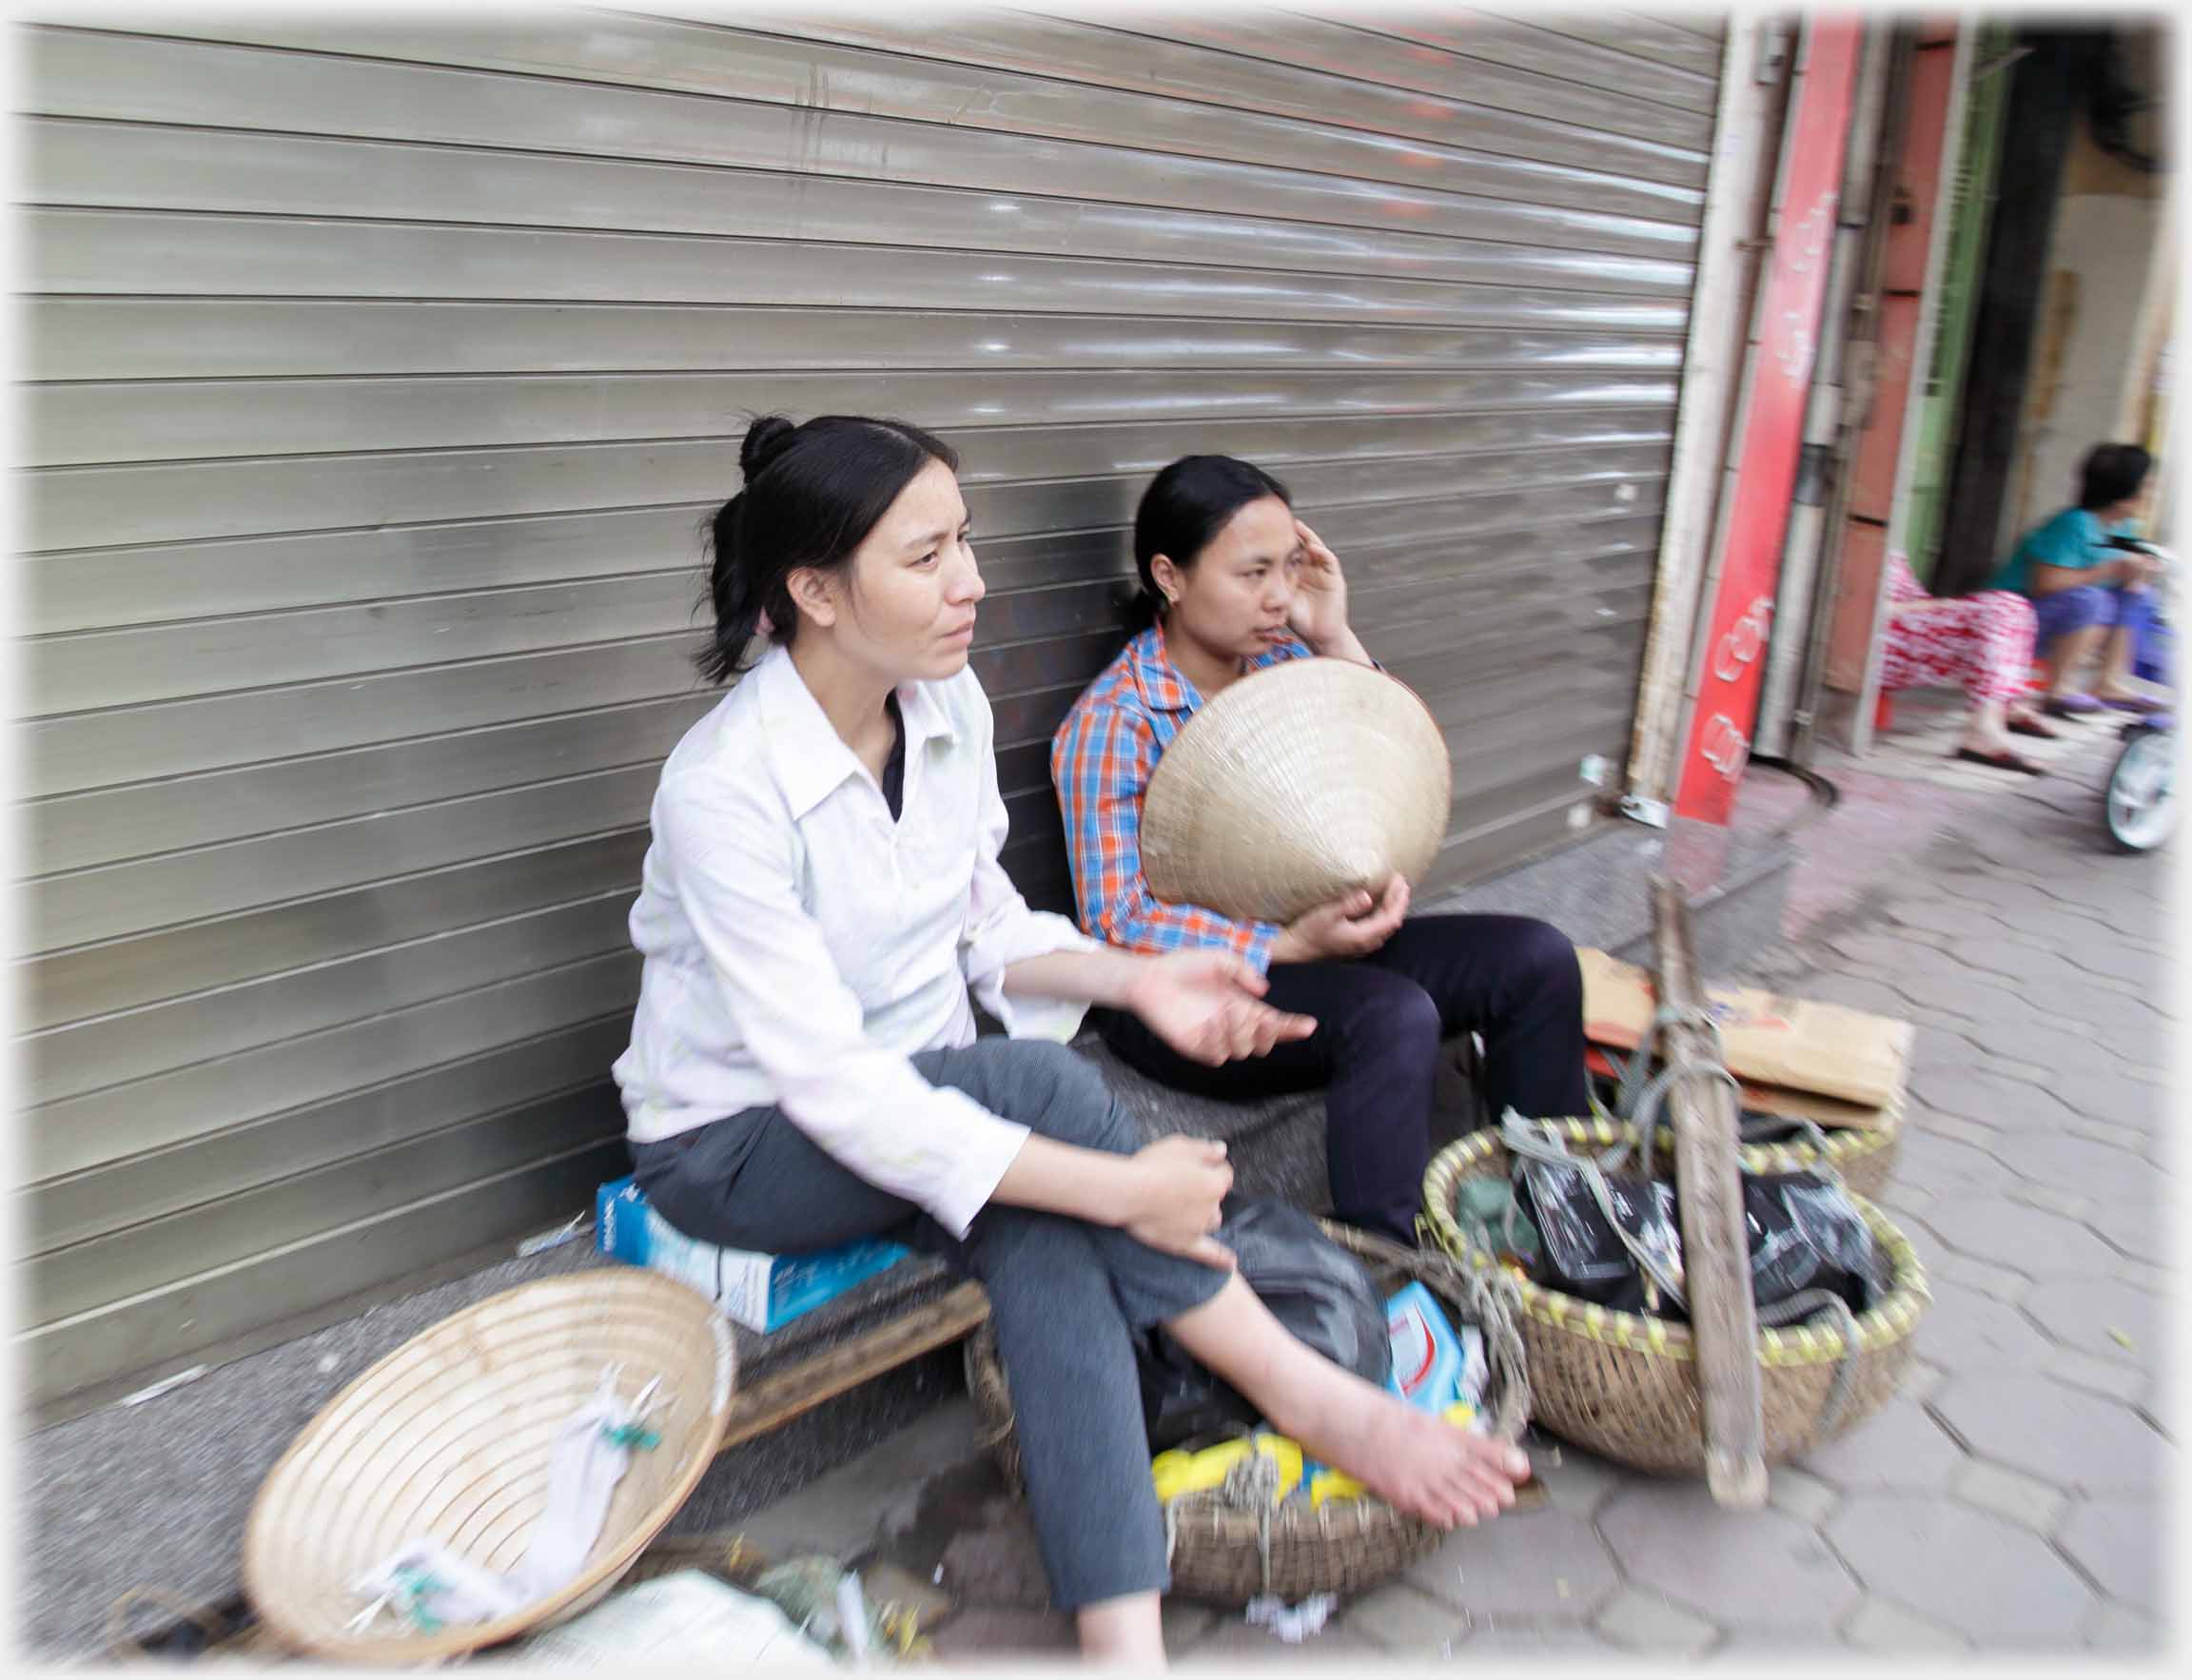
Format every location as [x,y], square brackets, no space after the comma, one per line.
[1716,1247]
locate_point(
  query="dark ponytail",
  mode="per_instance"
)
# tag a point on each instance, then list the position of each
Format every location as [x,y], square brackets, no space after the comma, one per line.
[1187,505]
[811,495]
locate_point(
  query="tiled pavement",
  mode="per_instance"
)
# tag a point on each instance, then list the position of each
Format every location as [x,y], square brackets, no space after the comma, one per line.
[2015,1497]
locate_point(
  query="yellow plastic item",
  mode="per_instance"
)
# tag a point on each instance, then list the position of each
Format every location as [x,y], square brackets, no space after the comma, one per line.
[1333,1484]
[1177,1472]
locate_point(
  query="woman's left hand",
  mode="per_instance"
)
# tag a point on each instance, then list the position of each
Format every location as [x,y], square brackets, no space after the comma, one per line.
[1319,614]
[1208,1005]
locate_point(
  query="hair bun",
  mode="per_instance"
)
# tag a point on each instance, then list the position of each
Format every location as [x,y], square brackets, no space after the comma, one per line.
[765,438]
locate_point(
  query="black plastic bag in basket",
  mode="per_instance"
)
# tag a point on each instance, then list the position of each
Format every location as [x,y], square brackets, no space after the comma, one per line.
[1805,1232]
[1312,1285]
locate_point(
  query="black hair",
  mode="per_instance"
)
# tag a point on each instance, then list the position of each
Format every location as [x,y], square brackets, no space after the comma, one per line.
[1185,507]
[811,495]
[2112,473]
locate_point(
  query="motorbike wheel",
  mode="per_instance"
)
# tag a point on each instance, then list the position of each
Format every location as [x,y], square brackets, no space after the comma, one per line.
[2140,803]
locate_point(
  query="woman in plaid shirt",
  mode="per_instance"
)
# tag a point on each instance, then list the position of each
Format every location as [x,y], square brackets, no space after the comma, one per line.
[1233,582]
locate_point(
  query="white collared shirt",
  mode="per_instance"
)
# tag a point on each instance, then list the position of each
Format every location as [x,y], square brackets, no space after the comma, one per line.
[800,946]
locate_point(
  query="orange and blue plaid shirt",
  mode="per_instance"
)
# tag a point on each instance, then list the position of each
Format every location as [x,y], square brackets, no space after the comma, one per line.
[1100,762]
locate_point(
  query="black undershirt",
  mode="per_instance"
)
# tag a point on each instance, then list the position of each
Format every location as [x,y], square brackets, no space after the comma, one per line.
[894,767]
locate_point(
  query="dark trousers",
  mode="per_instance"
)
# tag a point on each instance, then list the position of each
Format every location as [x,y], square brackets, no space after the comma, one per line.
[1064,1295]
[1380,1021]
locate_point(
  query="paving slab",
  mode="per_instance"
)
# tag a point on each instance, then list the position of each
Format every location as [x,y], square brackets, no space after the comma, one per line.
[2141,1231]
[1953,917]
[1990,1099]
[1921,1381]
[1965,994]
[1940,1042]
[2119,1097]
[2097,1005]
[1780,1646]
[2084,1209]
[1405,1620]
[1799,1494]
[1899,1449]
[1234,1641]
[2064,964]
[2075,1440]
[1856,991]
[2101,1315]
[2121,1544]
[2054,925]
[1998,1282]
[1544,1564]
[1943,1164]
[2068,1053]
[2122,1130]
[1980,1575]
[2024,1500]
[2155,1279]
[1970,1332]
[1574,1478]
[1894,1630]
[1185,1622]
[1489,1642]
[989,1634]
[2027,1240]
[1749,1570]
[2123,1631]
[1646,1622]
[2130,1385]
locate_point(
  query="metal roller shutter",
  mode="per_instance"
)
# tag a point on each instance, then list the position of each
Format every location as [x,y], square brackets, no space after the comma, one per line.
[381,373]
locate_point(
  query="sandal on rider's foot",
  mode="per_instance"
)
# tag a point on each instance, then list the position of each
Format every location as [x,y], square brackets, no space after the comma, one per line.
[2033,727]
[2016,761]
[2075,707]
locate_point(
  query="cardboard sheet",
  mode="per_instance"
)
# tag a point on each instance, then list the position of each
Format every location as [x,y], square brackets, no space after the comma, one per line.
[1802,1051]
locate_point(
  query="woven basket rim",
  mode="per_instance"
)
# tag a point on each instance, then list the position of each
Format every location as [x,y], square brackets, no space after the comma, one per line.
[1884,1323]
[400,1649]
[1843,1143]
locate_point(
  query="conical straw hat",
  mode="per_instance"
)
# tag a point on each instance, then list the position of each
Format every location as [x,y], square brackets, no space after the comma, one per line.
[1299,783]
[449,1439]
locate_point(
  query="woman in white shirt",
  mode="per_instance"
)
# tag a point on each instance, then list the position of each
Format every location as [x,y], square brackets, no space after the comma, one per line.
[822,892]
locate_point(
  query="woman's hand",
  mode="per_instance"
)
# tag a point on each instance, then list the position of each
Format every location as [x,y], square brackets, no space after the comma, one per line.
[1351,927]
[1319,614]
[2135,570]
[1208,1005]
[1178,1185]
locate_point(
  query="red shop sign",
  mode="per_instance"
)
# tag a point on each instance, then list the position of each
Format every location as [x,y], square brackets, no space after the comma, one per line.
[1770,440]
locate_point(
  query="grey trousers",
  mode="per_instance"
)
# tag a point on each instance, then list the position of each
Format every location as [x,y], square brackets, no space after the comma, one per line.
[1063,1294]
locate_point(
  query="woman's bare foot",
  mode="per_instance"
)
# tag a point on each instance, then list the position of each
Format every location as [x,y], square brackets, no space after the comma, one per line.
[1416,1462]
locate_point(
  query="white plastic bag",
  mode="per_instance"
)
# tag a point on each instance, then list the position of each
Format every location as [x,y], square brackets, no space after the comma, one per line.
[686,1617]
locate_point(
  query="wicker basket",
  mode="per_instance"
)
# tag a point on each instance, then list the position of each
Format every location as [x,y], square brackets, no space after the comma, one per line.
[1229,1554]
[1625,1385]
[449,1439]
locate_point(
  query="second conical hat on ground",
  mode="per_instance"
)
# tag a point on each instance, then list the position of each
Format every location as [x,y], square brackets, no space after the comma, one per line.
[1299,783]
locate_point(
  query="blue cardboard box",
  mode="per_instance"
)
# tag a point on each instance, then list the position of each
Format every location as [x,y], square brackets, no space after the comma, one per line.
[760,1291]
